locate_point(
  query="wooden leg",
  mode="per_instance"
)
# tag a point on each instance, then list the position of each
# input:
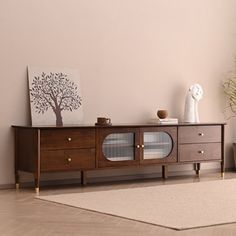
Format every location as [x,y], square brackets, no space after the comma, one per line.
[83,178]
[197,167]
[164,172]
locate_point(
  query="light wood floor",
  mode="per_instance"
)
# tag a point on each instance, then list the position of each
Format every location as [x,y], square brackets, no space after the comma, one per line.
[22,214]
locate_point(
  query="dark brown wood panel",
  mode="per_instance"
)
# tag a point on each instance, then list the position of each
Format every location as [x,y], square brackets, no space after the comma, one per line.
[27,149]
[67,138]
[199,134]
[63,160]
[199,152]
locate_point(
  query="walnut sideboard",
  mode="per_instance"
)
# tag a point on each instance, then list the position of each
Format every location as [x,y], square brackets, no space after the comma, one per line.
[40,149]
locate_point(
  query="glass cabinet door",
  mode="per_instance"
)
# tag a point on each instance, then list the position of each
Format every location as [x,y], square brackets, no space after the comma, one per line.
[119,147]
[157,145]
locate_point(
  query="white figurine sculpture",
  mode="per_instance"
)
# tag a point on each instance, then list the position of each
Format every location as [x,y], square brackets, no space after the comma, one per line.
[195,93]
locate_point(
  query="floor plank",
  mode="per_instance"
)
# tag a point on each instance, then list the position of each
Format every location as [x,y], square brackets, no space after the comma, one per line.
[22,214]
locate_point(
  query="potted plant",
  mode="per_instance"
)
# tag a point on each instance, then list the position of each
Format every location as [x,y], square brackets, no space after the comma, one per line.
[230,92]
[229,87]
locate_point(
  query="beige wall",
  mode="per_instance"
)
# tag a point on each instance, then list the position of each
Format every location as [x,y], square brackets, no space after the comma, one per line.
[134,57]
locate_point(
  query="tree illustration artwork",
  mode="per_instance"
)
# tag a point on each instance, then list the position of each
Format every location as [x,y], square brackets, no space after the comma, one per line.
[54,91]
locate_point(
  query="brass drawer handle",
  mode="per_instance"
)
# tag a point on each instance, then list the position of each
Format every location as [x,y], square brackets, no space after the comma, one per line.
[69,159]
[201,152]
[69,139]
[201,134]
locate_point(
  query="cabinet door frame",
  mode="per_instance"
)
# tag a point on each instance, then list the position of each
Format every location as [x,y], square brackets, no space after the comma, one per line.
[102,133]
[172,157]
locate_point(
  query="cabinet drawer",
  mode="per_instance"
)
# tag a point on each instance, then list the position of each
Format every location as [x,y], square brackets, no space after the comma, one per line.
[67,138]
[199,152]
[59,160]
[199,134]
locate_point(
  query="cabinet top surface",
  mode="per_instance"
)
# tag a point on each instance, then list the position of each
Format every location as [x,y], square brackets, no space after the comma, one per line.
[134,125]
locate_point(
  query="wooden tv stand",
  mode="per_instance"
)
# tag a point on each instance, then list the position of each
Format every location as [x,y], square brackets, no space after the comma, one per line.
[40,149]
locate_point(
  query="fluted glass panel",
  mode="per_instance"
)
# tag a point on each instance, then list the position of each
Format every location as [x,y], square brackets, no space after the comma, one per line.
[157,145]
[119,147]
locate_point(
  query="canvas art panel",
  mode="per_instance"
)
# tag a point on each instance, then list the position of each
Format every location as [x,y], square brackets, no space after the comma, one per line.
[55,96]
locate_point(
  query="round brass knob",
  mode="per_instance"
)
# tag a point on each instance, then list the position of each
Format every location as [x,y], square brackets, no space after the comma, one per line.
[201,134]
[201,152]
[142,146]
[69,159]
[69,139]
[138,146]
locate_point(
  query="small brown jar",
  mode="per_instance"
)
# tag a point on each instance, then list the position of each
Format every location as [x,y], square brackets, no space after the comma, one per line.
[162,114]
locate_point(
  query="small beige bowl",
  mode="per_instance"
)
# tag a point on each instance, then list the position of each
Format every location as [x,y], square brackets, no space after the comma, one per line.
[162,114]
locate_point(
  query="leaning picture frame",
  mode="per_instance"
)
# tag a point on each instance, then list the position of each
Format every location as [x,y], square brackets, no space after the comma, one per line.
[55,96]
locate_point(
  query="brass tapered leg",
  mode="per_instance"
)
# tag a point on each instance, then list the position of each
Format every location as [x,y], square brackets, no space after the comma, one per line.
[17,180]
[222,169]
[37,191]
[36,184]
